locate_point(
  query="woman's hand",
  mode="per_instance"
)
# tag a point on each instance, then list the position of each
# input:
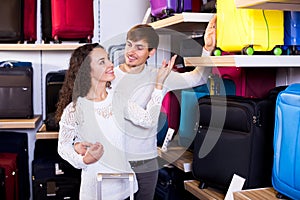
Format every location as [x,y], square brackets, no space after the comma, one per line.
[210,34]
[94,153]
[81,147]
[164,71]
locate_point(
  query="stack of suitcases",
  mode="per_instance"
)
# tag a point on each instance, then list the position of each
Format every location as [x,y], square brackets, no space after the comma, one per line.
[53,177]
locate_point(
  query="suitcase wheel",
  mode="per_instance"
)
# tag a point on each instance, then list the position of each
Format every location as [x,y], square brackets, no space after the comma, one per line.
[56,40]
[217,52]
[248,50]
[89,39]
[277,51]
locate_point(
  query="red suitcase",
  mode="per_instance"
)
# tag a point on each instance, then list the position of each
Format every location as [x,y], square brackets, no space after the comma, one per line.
[72,20]
[249,82]
[8,161]
[30,7]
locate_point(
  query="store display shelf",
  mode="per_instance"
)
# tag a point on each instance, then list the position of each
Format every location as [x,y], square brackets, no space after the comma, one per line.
[269,4]
[39,47]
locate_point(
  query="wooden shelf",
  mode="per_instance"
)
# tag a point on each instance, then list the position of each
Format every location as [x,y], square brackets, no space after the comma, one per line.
[178,156]
[44,134]
[269,4]
[244,61]
[191,23]
[20,123]
[261,193]
[203,194]
[39,47]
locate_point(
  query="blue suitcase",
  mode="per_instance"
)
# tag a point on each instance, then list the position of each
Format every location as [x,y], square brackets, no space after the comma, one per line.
[291,32]
[286,165]
[189,114]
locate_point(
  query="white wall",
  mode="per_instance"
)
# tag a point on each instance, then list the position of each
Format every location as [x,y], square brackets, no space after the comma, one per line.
[118,16]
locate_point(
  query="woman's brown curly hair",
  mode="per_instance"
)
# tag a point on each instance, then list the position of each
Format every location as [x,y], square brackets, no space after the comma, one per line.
[78,78]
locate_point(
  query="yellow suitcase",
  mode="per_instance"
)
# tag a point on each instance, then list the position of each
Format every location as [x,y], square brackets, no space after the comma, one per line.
[239,28]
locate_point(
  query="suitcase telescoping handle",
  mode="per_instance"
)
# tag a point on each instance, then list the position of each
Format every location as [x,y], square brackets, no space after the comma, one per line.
[101,176]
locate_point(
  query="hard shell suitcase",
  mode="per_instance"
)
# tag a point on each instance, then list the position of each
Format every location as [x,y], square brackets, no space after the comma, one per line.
[30,11]
[164,8]
[54,82]
[189,114]
[17,143]
[102,176]
[239,28]
[292,32]
[53,177]
[11,21]
[234,137]
[16,92]
[8,161]
[286,168]
[72,20]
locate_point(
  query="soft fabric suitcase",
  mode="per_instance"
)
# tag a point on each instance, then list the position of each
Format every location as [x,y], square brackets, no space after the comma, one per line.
[72,20]
[30,11]
[2,183]
[286,168]
[16,92]
[102,176]
[240,28]
[54,82]
[8,161]
[11,21]
[234,137]
[17,143]
[249,82]
[292,32]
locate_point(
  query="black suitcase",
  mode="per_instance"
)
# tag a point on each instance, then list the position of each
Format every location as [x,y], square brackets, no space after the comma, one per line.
[46,21]
[17,142]
[170,184]
[54,82]
[234,137]
[53,177]
[11,21]
[16,92]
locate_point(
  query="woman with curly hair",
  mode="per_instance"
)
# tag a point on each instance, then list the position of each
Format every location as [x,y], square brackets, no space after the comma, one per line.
[84,112]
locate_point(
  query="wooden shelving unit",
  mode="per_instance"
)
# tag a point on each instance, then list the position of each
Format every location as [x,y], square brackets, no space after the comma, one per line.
[178,156]
[44,134]
[269,4]
[203,194]
[39,47]
[244,61]
[263,193]
[186,22]
[20,123]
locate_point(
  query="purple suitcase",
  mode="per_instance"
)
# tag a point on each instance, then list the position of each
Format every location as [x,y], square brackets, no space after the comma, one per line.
[164,8]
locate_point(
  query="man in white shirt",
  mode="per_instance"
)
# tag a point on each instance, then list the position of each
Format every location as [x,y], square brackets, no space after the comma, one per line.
[134,81]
